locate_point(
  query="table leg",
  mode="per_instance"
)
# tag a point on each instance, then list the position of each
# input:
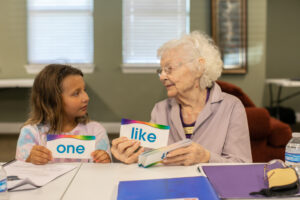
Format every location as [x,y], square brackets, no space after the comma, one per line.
[278,102]
[271,95]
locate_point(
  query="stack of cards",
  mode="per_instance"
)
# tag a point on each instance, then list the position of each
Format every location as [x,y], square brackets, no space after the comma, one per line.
[152,157]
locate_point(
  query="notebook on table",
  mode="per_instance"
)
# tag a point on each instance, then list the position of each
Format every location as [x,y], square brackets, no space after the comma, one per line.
[237,181]
[168,188]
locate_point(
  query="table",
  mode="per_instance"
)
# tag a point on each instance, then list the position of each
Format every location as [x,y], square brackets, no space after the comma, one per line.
[16,83]
[85,181]
[14,127]
[100,181]
[281,83]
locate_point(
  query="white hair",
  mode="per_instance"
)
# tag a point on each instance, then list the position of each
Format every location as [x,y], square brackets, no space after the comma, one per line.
[199,45]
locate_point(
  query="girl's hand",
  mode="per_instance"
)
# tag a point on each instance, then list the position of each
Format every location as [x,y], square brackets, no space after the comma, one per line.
[39,155]
[126,150]
[190,155]
[100,156]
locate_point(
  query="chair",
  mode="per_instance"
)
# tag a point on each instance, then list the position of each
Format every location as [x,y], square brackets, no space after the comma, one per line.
[268,136]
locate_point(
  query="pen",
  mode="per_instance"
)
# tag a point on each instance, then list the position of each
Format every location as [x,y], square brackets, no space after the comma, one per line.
[200,170]
[13,178]
[7,163]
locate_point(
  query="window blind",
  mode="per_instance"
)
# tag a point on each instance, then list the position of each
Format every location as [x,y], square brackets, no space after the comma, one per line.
[147,24]
[60,31]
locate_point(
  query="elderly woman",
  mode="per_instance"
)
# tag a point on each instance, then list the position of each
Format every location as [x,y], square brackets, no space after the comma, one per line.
[196,108]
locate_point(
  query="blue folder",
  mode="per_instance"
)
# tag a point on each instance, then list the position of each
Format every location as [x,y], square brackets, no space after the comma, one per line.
[186,187]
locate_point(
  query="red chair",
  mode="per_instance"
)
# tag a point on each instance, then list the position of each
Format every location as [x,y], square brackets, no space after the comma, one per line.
[268,135]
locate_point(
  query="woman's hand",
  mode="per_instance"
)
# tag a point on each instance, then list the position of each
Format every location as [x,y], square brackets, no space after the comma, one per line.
[39,155]
[100,156]
[190,155]
[126,150]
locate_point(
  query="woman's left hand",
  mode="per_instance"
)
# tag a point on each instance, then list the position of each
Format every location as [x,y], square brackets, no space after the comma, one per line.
[190,155]
[100,156]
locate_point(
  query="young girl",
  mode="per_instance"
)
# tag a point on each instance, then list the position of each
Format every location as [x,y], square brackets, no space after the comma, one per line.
[59,106]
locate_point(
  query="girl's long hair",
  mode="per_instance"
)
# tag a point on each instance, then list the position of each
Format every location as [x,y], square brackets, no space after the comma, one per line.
[46,97]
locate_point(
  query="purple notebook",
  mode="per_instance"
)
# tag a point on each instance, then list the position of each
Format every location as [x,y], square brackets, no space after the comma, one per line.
[237,181]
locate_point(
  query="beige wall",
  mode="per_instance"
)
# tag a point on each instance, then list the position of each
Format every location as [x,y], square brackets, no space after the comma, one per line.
[253,82]
[283,42]
[115,95]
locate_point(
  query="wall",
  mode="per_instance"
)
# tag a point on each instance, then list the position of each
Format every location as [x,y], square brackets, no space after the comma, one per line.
[252,83]
[113,94]
[283,42]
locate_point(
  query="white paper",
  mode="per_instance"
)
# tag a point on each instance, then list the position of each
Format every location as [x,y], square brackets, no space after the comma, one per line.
[34,175]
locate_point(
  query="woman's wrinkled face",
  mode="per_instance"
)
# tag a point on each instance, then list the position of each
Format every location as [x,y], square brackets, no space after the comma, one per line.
[178,74]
